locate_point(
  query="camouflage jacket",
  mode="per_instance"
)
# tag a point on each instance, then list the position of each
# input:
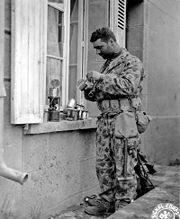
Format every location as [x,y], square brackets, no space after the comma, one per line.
[123,77]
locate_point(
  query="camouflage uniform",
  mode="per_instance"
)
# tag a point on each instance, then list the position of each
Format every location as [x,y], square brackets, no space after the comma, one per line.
[122,80]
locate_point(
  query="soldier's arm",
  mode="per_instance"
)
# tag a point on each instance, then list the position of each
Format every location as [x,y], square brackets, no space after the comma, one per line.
[123,82]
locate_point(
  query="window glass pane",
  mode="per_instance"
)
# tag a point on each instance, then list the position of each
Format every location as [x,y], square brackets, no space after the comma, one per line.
[72,79]
[54,69]
[74,9]
[54,52]
[60,32]
[55,32]
[73,48]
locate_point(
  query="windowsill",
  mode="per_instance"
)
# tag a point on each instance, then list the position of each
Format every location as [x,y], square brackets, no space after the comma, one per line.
[61,126]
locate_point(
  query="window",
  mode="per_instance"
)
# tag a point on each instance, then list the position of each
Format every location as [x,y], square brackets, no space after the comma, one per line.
[57,49]
[48,55]
[65,48]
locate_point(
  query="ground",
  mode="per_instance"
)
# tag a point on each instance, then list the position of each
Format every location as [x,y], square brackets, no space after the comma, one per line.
[167,190]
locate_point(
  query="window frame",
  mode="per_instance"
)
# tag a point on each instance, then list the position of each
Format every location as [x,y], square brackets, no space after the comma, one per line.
[82,50]
[82,46]
[65,8]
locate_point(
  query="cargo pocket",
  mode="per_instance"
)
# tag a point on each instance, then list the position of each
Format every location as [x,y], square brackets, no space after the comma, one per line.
[125,125]
[143,121]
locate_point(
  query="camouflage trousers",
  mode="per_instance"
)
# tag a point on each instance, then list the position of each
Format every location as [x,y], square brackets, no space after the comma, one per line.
[110,162]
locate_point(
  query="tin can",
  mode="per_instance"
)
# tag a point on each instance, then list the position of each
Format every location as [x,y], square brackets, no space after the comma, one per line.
[72,114]
[71,103]
[82,84]
[53,92]
[53,116]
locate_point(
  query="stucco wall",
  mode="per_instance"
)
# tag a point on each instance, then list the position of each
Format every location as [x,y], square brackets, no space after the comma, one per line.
[135,29]
[162,64]
[61,168]
[153,34]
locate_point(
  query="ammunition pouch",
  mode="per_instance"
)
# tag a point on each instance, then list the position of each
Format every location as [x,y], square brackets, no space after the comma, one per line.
[125,125]
[115,106]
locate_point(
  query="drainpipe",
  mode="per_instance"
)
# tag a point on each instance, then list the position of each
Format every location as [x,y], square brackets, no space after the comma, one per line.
[5,171]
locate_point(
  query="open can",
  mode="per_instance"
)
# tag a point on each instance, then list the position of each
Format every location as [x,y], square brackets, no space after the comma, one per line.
[53,116]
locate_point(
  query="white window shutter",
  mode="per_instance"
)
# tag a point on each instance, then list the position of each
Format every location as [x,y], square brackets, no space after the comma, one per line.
[118,20]
[28,73]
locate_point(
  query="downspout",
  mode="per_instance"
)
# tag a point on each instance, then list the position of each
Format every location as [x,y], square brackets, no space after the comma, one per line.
[5,171]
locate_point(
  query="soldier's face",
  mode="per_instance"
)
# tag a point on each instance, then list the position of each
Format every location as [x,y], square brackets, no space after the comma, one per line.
[104,49]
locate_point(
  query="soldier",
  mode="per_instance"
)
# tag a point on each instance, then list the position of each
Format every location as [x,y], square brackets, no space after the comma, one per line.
[116,90]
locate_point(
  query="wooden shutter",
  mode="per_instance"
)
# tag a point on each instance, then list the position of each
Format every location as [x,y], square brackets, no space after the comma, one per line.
[29,21]
[118,20]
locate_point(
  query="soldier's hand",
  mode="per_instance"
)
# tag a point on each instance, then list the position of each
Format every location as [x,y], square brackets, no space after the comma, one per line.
[93,76]
[89,86]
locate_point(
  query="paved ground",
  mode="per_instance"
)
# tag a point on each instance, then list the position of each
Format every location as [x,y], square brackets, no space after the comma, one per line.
[167,190]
